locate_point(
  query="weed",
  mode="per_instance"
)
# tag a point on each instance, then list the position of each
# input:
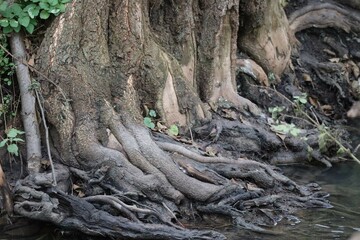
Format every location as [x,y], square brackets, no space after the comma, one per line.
[12,140]
[150,120]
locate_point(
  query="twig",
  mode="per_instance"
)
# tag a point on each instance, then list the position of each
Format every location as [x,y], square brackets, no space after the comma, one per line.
[31,126]
[40,104]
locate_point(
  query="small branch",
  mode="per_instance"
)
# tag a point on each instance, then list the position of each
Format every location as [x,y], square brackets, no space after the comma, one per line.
[46,129]
[28,113]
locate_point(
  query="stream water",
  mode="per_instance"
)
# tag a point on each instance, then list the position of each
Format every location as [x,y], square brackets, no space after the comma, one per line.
[342,182]
[339,222]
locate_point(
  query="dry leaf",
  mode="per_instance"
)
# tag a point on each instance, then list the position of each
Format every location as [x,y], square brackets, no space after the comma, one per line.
[75,187]
[31,61]
[327,109]
[306,77]
[281,136]
[314,102]
[210,151]
[328,51]
[334,60]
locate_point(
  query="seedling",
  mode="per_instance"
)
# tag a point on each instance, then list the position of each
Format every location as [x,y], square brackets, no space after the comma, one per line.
[12,140]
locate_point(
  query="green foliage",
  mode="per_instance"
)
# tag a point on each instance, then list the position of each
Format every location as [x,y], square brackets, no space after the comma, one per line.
[301,100]
[26,13]
[152,113]
[275,111]
[271,77]
[149,122]
[173,130]
[11,141]
[7,67]
[7,70]
[326,138]
[287,128]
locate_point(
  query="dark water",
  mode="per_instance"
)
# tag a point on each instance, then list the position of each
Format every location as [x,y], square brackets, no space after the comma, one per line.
[342,182]
[340,222]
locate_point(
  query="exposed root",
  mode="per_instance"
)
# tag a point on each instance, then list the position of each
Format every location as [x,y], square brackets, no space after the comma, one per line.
[322,16]
[79,214]
[252,69]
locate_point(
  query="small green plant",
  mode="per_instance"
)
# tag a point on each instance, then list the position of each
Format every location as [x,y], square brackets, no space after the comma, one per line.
[150,121]
[7,67]
[25,13]
[286,128]
[12,140]
[173,130]
[301,100]
[5,106]
[275,112]
[272,77]
[326,138]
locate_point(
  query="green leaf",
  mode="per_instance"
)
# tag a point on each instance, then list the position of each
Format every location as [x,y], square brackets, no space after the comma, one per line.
[173,130]
[33,11]
[30,28]
[65,1]
[16,9]
[3,142]
[152,113]
[13,132]
[13,149]
[341,150]
[17,29]
[14,23]
[54,11]
[4,22]
[53,2]
[61,7]
[44,14]
[17,140]
[148,122]
[24,21]
[44,5]
[7,29]
[295,131]
[3,6]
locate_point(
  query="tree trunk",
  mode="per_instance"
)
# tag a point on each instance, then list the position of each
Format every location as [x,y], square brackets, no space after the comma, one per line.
[112,60]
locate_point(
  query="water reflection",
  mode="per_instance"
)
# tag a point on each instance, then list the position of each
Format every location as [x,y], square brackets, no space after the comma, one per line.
[343,183]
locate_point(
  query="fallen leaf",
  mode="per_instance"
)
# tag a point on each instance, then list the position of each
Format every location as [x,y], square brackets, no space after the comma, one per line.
[327,109]
[334,60]
[306,77]
[31,61]
[328,51]
[314,102]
